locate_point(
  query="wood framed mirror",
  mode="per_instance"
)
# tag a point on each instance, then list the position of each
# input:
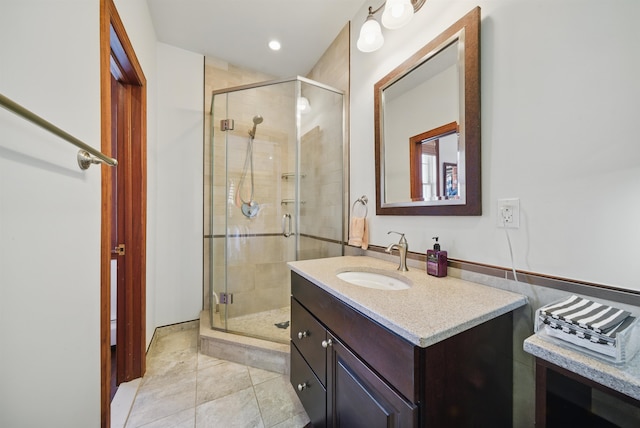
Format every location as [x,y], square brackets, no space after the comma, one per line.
[427,128]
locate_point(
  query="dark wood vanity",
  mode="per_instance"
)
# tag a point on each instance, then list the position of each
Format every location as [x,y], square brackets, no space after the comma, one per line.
[350,371]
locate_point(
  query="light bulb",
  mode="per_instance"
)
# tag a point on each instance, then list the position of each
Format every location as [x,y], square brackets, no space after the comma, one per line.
[397,13]
[274,45]
[370,36]
[397,10]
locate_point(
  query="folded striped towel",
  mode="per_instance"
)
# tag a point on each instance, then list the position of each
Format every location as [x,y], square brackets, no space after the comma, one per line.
[587,314]
[608,338]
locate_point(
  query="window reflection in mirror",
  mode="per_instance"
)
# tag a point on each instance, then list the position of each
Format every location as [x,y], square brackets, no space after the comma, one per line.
[431,152]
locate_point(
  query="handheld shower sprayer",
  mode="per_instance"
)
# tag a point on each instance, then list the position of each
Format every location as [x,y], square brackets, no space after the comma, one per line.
[257,120]
[249,207]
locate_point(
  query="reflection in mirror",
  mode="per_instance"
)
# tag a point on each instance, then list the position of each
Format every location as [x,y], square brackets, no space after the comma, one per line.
[424,99]
[427,128]
[430,153]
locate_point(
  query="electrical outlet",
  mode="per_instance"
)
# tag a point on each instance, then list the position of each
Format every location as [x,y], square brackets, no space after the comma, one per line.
[509,213]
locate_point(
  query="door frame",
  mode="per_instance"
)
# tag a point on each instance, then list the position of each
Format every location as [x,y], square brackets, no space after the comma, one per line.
[116,51]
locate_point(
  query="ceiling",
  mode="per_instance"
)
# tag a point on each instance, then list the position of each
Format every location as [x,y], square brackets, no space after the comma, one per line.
[238,31]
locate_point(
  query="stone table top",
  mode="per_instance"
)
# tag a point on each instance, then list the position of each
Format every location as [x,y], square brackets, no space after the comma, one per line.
[624,378]
[431,310]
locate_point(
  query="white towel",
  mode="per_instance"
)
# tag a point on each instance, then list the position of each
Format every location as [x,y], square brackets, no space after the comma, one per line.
[359,232]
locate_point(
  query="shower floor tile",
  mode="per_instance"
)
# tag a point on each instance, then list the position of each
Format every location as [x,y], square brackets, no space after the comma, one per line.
[184,388]
[263,324]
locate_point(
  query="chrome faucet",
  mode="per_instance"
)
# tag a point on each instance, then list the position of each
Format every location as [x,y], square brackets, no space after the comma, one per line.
[402,248]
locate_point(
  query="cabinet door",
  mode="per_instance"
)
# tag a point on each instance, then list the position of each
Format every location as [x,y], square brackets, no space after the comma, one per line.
[311,392]
[358,397]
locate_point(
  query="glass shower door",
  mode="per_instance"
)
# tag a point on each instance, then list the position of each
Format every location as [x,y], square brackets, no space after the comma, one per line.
[276,195]
[257,229]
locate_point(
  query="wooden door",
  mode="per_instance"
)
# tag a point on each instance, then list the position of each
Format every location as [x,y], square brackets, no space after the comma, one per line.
[128,215]
[124,240]
[123,114]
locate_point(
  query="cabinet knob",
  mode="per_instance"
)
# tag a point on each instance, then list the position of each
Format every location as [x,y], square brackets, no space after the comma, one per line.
[327,343]
[303,334]
[302,386]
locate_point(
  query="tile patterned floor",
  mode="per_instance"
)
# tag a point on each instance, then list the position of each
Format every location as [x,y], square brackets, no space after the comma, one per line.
[183,388]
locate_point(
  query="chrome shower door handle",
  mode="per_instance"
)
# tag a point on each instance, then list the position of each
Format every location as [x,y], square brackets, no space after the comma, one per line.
[286,219]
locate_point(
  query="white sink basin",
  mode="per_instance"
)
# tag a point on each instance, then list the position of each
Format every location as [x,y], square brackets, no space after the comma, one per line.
[373,280]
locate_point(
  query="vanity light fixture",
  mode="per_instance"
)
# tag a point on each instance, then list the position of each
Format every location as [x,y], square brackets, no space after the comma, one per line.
[371,38]
[397,13]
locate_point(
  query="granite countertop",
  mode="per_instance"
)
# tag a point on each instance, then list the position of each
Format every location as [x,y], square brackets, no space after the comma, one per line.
[624,378]
[431,310]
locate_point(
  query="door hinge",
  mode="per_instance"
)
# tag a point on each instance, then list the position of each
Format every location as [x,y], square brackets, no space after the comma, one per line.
[119,250]
[226,298]
[226,125]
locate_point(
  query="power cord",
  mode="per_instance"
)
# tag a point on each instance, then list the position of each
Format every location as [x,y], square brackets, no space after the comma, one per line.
[513,267]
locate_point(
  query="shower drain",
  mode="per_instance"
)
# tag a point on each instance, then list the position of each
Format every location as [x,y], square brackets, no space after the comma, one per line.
[284,324]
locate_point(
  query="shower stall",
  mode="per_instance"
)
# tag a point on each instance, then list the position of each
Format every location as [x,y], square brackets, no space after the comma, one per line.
[274,192]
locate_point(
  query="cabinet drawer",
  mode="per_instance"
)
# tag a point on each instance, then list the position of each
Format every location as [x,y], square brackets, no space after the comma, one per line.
[308,334]
[311,392]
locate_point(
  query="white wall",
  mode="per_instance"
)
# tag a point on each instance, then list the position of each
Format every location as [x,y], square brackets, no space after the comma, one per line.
[179,228]
[559,103]
[49,217]
[50,210]
[175,80]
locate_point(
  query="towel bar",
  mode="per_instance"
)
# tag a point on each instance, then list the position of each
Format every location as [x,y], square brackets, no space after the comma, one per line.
[363,200]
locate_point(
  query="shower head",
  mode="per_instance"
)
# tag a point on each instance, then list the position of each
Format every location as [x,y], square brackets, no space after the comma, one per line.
[257,120]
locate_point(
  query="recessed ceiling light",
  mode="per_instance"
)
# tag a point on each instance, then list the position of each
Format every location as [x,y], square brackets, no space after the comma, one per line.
[274,45]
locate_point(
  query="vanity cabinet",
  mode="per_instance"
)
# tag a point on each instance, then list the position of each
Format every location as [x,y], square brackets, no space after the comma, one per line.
[335,386]
[350,371]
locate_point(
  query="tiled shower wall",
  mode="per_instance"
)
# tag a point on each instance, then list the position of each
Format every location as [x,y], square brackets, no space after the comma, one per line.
[321,183]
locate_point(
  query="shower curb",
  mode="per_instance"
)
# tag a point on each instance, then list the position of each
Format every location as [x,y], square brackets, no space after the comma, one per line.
[249,351]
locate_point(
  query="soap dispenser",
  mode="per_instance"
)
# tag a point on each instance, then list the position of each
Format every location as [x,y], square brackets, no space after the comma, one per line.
[436,260]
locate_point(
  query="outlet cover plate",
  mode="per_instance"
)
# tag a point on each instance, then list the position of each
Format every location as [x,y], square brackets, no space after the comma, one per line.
[508,213]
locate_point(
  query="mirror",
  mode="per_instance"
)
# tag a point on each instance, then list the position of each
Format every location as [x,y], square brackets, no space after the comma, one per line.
[427,127]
